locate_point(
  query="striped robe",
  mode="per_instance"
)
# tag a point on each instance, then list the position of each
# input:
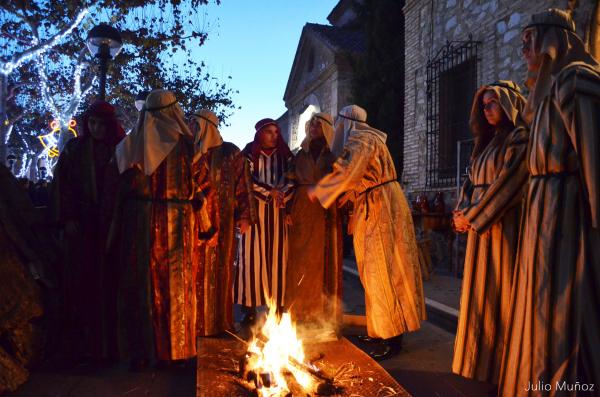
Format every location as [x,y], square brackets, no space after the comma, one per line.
[497,185]
[554,327]
[262,251]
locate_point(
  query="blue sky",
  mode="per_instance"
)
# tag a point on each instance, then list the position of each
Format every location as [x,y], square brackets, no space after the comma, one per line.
[255,43]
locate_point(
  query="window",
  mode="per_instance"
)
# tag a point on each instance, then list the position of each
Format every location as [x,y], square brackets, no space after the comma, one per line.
[451,84]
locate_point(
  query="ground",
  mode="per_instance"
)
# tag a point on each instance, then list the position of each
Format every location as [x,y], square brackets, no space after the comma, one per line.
[422,368]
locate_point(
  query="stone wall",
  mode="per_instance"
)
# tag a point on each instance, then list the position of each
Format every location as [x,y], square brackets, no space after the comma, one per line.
[328,86]
[429,25]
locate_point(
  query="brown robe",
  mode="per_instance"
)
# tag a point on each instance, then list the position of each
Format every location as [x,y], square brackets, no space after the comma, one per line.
[223,176]
[83,191]
[554,327]
[314,272]
[384,236]
[491,201]
[20,295]
[159,257]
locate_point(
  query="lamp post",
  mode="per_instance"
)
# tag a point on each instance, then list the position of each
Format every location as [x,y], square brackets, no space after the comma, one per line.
[104,42]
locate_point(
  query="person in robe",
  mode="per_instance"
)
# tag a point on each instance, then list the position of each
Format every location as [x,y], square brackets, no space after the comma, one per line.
[223,177]
[83,192]
[262,250]
[22,270]
[554,326]
[383,233]
[314,269]
[156,231]
[490,210]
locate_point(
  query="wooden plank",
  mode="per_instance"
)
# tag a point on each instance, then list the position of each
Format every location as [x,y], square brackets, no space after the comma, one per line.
[218,366]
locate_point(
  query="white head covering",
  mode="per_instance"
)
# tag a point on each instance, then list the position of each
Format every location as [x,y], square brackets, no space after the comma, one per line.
[351,120]
[160,125]
[327,125]
[204,125]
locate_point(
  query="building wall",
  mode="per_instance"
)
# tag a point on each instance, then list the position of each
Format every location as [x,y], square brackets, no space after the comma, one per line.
[329,84]
[429,24]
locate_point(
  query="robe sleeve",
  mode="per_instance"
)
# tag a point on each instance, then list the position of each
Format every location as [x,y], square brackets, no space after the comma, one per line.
[62,197]
[577,93]
[244,205]
[348,170]
[261,191]
[205,216]
[464,196]
[507,190]
[289,181]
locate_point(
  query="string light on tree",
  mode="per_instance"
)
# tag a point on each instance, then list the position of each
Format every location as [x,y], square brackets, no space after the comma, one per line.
[7,68]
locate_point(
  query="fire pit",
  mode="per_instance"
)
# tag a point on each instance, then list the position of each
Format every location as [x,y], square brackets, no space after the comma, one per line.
[277,364]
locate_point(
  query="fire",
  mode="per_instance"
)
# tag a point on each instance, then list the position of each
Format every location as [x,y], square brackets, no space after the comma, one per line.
[275,352]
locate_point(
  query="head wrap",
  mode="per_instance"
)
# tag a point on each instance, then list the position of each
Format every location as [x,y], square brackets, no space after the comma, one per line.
[555,39]
[511,102]
[326,122]
[253,148]
[107,113]
[352,120]
[160,126]
[204,125]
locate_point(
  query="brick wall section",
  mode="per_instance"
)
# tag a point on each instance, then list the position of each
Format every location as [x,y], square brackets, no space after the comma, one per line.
[429,24]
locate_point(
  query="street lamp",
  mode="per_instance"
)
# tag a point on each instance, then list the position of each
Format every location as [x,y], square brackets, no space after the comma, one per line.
[104,42]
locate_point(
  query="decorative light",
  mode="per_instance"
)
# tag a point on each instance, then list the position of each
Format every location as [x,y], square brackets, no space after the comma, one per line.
[7,68]
[50,141]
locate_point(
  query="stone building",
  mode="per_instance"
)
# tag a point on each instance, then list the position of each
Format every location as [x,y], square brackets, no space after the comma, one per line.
[321,75]
[451,48]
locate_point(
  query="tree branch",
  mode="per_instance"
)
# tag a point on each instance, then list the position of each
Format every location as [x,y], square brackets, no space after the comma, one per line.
[18,59]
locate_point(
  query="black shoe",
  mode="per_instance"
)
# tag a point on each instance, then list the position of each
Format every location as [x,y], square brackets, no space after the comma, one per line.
[381,352]
[387,348]
[368,339]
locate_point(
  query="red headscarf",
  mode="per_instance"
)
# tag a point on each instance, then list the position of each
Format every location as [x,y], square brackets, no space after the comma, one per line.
[107,113]
[253,148]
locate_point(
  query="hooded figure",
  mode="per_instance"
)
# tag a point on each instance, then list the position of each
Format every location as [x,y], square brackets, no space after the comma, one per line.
[384,236]
[490,209]
[83,191]
[262,250]
[223,176]
[156,228]
[554,324]
[314,271]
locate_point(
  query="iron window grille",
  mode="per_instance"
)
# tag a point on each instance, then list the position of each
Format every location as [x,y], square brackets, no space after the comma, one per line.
[451,83]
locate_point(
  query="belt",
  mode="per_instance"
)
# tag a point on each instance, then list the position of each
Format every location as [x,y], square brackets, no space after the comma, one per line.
[369,190]
[166,200]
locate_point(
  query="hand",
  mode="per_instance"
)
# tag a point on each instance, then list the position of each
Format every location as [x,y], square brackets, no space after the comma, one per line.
[461,224]
[213,241]
[277,197]
[288,220]
[244,225]
[311,194]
